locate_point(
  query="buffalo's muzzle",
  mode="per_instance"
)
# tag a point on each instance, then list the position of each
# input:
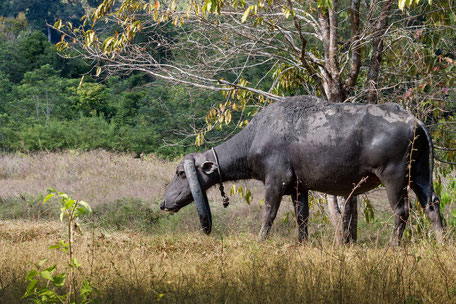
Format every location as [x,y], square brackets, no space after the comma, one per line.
[171,210]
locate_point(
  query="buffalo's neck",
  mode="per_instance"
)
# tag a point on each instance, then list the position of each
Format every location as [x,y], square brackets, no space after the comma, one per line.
[232,157]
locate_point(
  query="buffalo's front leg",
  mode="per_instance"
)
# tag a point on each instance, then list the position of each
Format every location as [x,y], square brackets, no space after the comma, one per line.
[301,205]
[273,196]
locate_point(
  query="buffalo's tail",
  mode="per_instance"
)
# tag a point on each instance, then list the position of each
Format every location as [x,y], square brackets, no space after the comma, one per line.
[421,126]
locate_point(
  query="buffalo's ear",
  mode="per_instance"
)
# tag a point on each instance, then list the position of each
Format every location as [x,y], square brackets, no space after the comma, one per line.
[208,167]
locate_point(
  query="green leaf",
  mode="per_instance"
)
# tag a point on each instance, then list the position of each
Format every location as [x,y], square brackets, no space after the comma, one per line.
[227,117]
[41,263]
[51,269]
[248,196]
[401,4]
[49,196]
[58,24]
[207,6]
[89,37]
[199,140]
[85,205]
[30,289]
[86,289]
[81,211]
[324,4]
[75,263]
[233,189]
[31,275]
[260,204]
[107,43]
[69,203]
[246,14]
[240,191]
[63,246]
[64,195]
[59,280]
[330,4]
[46,275]
[48,296]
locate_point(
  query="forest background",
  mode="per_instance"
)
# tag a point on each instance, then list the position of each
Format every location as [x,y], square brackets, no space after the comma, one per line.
[45,106]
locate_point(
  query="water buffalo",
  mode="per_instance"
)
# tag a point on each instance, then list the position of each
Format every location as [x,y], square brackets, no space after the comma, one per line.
[303,143]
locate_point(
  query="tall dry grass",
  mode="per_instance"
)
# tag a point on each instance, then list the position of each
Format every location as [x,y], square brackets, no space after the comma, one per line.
[96,176]
[102,178]
[193,268]
[172,262]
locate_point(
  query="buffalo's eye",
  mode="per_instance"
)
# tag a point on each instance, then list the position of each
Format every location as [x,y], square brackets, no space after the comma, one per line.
[180,174]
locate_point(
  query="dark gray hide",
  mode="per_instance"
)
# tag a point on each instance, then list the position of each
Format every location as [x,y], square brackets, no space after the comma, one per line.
[304,143]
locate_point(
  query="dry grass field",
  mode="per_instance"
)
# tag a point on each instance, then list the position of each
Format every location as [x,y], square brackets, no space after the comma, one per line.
[131,252]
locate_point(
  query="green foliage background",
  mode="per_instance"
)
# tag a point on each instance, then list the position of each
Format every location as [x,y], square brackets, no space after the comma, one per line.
[43,106]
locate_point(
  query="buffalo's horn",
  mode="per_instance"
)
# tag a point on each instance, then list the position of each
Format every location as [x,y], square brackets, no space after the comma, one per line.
[202,204]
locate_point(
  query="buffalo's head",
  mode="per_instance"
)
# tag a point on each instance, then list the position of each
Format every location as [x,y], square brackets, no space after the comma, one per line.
[194,175]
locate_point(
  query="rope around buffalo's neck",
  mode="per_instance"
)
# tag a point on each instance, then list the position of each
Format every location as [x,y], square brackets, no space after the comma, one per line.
[226,201]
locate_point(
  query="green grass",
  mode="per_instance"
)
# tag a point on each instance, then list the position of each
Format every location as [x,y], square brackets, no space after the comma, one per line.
[26,206]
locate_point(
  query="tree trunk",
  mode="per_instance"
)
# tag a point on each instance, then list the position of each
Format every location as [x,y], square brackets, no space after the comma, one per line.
[49,34]
[377,51]
[344,216]
[343,212]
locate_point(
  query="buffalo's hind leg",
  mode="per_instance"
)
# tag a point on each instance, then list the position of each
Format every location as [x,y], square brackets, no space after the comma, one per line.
[301,206]
[396,189]
[399,203]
